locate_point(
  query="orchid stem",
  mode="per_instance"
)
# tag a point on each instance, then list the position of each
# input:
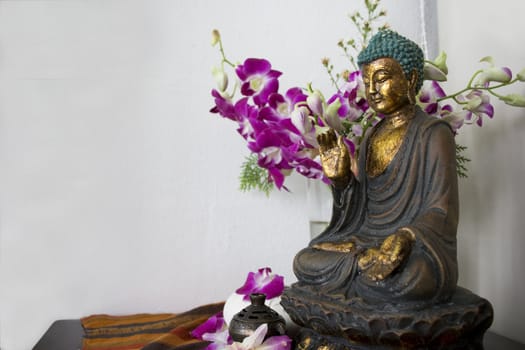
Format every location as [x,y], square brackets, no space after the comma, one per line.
[470,87]
[224,59]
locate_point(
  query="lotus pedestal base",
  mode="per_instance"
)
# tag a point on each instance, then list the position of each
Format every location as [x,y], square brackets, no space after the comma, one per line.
[457,324]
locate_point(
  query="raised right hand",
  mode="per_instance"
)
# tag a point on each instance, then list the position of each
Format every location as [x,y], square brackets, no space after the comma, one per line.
[335,158]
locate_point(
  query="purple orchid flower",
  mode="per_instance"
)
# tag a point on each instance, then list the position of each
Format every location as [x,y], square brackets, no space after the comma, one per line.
[478,105]
[258,79]
[344,107]
[214,330]
[283,106]
[494,74]
[428,98]
[245,114]
[268,134]
[303,123]
[309,168]
[456,119]
[262,281]
[348,104]
[223,106]
[354,92]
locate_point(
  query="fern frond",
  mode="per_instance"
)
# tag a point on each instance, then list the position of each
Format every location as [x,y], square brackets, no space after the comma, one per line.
[461,161]
[253,177]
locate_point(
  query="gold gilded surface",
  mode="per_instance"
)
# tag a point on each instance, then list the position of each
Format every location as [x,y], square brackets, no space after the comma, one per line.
[344,247]
[327,347]
[384,145]
[304,344]
[386,87]
[379,263]
[403,266]
[335,158]
[388,92]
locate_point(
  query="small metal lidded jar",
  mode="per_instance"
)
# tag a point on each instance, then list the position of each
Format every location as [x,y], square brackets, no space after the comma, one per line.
[245,322]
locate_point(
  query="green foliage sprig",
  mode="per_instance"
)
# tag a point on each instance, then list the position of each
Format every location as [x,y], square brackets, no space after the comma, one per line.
[253,177]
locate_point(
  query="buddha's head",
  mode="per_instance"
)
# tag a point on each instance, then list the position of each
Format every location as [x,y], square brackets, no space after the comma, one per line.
[392,69]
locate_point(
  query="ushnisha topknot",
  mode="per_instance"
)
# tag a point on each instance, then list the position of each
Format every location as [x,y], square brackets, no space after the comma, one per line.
[387,43]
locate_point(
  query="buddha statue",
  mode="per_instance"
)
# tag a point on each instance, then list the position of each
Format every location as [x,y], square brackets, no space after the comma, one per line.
[390,247]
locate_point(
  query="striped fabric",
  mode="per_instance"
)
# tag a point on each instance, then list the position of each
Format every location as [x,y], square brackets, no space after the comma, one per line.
[146,331]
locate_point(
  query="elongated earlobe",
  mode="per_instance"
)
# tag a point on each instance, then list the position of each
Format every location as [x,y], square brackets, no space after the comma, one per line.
[412,87]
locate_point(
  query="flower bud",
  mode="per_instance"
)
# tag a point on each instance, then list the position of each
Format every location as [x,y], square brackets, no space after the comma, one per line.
[497,74]
[215,37]
[432,72]
[514,100]
[521,75]
[315,102]
[488,59]
[220,78]
[301,119]
[332,115]
[441,62]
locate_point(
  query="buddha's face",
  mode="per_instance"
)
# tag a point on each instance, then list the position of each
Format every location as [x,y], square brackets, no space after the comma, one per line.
[386,86]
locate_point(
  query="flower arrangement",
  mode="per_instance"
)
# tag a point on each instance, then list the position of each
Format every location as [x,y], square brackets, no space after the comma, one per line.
[215,329]
[281,128]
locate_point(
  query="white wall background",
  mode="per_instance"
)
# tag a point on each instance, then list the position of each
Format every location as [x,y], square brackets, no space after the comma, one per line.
[119,190]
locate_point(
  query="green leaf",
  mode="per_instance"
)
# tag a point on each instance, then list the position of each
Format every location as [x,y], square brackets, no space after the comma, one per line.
[461,161]
[253,177]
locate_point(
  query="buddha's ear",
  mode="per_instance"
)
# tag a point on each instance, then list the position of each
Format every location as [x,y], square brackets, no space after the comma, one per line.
[412,83]
[413,80]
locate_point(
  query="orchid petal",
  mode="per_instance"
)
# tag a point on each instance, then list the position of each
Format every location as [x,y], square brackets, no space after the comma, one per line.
[431,72]
[431,108]
[300,119]
[280,342]
[223,106]
[441,62]
[438,90]
[473,103]
[258,79]
[488,59]
[332,115]
[263,281]
[220,78]
[277,177]
[252,66]
[315,102]
[487,109]
[350,144]
[357,130]
[455,120]
[271,86]
[256,338]
[496,74]
[479,121]
[218,337]
[212,324]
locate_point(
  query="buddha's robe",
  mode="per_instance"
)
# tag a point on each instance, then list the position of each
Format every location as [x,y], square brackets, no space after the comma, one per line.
[418,191]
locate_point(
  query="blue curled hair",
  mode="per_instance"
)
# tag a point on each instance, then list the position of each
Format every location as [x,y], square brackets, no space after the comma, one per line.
[389,44]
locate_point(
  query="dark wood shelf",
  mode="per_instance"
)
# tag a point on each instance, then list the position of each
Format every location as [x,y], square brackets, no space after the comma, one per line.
[67,335]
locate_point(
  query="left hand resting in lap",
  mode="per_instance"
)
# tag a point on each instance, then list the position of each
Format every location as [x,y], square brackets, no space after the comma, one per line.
[378,264]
